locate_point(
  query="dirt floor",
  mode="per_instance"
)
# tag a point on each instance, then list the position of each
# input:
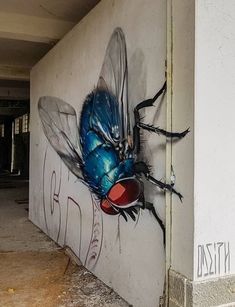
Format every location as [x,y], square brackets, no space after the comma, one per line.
[34,271]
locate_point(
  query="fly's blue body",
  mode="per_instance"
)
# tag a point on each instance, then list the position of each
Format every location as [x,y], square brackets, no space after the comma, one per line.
[99,140]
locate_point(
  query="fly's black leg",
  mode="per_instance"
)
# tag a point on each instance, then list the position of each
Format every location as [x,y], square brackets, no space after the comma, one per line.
[163,186]
[158,130]
[138,124]
[149,102]
[151,208]
[142,168]
[141,105]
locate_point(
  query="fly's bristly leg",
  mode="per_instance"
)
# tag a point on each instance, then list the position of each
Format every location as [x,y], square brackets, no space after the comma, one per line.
[158,130]
[163,186]
[142,168]
[140,125]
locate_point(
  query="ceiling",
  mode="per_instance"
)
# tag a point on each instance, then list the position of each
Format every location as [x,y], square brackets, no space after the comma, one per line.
[28,30]
[70,10]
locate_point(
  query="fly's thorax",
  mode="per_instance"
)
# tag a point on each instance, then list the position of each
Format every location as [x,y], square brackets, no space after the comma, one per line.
[125,151]
[115,133]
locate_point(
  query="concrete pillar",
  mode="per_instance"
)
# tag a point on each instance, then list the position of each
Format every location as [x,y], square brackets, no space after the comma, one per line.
[201,253]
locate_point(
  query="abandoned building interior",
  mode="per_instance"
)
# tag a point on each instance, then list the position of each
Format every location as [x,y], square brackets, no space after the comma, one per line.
[116,153]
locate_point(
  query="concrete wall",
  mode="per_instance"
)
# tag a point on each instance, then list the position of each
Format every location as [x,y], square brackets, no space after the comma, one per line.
[202,247]
[182,60]
[214,133]
[203,94]
[127,256]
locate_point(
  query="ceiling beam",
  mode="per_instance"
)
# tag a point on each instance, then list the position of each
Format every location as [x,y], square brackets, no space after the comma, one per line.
[32,28]
[5,104]
[11,93]
[14,73]
[13,112]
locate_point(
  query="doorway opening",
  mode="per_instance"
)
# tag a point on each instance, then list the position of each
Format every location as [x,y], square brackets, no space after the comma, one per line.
[14,133]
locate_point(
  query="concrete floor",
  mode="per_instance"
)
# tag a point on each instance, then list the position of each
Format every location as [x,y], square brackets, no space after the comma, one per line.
[34,271]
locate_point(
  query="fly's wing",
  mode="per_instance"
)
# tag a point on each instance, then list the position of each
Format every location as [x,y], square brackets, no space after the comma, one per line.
[114,77]
[60,127]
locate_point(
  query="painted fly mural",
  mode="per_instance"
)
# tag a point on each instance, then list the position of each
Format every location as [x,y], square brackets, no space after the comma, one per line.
[103,150]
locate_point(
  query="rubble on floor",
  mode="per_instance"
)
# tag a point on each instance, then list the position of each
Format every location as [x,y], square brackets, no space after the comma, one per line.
[36,272]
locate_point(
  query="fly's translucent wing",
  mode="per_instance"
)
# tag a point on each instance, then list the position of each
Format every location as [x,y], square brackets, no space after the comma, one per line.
[59,122]
[114,77]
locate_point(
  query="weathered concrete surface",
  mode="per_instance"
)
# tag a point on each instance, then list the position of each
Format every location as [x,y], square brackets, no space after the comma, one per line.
[85,290]
[34,271]
[210,293]
[31,278]
[17,233]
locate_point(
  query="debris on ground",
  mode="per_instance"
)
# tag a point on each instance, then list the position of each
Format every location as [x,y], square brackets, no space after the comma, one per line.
[34,271]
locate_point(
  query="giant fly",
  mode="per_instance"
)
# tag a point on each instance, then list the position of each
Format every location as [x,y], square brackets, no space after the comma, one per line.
[103,151]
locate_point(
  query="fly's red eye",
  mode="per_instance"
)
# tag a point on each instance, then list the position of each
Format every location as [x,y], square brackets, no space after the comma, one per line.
[124,192]
[107,207]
